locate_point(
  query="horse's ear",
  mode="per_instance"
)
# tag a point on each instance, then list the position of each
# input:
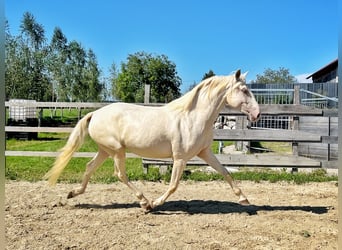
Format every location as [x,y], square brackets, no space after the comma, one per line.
[237,74]
[245,74]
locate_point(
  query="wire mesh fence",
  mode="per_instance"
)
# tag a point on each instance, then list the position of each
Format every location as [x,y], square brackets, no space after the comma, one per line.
[315,95]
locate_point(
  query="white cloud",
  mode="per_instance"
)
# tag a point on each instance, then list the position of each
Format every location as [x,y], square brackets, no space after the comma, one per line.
[302,78]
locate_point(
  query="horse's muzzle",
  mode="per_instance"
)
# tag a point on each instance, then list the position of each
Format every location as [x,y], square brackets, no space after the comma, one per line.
[253,118]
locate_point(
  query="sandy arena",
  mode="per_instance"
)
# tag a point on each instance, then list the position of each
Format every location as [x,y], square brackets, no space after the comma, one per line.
[200,215]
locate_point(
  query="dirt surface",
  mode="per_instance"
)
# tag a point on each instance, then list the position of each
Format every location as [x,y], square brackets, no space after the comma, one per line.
[200,215]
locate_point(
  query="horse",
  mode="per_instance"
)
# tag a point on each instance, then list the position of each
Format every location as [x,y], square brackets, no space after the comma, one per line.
[181,130]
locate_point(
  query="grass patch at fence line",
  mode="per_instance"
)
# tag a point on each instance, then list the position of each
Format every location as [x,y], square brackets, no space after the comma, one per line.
[318,175]
[48,142]
[34,168]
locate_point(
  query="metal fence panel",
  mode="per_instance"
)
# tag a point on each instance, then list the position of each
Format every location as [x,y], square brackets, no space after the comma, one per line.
[318,95]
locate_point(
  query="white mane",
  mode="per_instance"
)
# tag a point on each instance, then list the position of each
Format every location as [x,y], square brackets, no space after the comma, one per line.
[208,88]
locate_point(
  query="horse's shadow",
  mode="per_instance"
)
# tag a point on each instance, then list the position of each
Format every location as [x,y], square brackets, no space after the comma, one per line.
[209,207]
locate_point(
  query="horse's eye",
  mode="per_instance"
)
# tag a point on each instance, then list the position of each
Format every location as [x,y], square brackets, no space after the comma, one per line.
[245,91]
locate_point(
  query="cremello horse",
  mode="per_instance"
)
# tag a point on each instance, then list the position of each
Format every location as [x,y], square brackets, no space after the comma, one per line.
[181,130]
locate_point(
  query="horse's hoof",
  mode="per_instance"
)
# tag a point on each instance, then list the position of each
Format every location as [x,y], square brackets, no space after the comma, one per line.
[244,202]
[70,195]
[146,206]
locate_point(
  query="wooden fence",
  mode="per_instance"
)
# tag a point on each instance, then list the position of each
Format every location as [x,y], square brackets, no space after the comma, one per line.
[294,136]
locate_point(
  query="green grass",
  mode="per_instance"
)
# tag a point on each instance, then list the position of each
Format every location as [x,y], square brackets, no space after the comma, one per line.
[48,142]
[34,168]
[319,175]
[279,147]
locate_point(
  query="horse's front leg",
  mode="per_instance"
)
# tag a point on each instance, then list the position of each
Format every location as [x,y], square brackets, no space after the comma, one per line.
[177,170]
[211,159]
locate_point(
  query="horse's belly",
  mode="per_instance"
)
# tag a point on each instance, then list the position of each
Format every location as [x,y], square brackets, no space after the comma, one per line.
[152,151]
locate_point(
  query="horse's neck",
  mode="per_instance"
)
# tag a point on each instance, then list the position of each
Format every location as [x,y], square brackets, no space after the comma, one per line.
[207,111]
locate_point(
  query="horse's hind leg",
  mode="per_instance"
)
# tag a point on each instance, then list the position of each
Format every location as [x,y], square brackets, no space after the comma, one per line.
[119,159]
[210,158]
[91,167]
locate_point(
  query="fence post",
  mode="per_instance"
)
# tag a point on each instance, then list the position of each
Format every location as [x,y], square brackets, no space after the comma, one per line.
[40,117]
[241,123]
[295,126]
[79,113]
[296,96]
[329,134]
[147,93]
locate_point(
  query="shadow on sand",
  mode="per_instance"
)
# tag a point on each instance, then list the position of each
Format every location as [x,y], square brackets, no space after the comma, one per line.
[208,207]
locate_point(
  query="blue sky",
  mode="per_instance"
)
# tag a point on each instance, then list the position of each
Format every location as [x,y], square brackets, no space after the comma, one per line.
[221,35]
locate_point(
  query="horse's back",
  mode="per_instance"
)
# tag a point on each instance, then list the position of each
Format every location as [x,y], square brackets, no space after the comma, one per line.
[138,128]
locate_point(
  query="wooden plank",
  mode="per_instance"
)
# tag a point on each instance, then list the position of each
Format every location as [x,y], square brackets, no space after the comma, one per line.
[88,105]
[255,160]
[219,134]
[319,150]
[330,112]
[330,164]
[327,127]
[264,135]
[319,125]
[62,104]
[38,129]
[55,154]
[330,139]
[279,109]
[46,154]
[289,109]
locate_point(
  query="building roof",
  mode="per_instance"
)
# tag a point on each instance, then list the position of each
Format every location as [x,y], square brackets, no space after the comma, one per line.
[327,68]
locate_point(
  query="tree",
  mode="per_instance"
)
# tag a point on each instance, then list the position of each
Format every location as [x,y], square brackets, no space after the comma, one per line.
[33,35]
[58,71]
[113,76]
[26,74]
[210,73]
[143,68]
[162,75]
[282,75]
[74,71]
[57,64]
[73,75]
[33,31]
[92,78]
[13,64]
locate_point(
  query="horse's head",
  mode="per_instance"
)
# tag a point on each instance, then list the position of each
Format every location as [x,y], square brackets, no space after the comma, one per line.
[240,97]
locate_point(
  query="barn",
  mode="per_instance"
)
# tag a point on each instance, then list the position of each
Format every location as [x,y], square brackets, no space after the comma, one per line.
[328,73]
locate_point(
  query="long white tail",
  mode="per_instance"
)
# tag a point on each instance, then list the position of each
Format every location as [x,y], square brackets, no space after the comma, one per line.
[75,141]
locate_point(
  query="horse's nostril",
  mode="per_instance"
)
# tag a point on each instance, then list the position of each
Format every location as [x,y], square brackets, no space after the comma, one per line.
[258,116]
